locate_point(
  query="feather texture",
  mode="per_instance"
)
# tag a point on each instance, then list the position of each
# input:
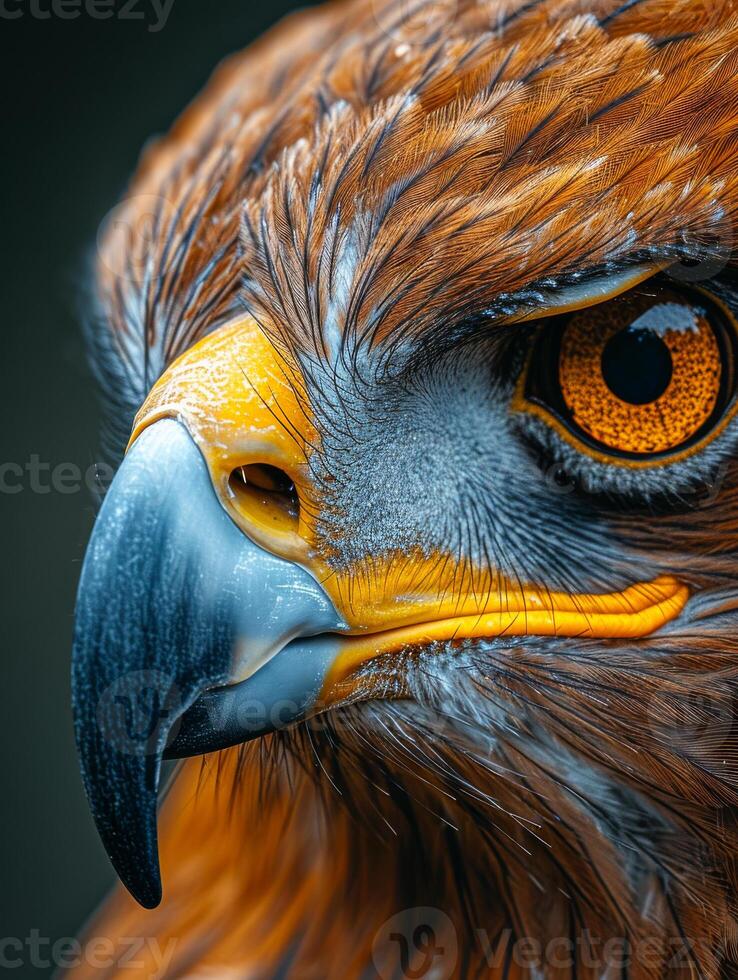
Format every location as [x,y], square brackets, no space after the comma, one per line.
[383,169]
[364,180]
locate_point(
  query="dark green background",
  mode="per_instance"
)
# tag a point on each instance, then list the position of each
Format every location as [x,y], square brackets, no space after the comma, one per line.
[79,99]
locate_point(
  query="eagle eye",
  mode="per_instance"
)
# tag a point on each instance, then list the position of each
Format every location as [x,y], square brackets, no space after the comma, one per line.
[644,378]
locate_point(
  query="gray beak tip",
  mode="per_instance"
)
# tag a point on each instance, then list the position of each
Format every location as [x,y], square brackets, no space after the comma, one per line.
[170,587]
[144,883]
[141,877]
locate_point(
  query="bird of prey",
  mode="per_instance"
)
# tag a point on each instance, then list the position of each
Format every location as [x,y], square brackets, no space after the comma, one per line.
[419,344]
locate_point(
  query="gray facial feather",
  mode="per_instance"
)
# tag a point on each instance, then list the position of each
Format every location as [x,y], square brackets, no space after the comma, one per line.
[429,460]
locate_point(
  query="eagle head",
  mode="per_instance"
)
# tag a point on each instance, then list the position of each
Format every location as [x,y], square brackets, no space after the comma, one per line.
[419,343]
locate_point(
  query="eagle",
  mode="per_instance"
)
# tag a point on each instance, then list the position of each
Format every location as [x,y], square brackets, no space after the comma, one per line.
[418,342]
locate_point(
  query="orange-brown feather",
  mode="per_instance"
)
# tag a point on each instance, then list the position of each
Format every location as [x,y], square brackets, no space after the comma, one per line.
[389,175]
[461,157]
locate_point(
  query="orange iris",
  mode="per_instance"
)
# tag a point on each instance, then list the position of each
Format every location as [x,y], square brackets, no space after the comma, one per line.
[641,374]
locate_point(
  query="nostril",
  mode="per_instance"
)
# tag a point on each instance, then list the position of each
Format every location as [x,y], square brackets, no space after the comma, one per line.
[265,477]
[265,494]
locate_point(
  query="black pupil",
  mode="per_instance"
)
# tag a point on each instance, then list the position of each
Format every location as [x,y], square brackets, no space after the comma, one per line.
[636,366]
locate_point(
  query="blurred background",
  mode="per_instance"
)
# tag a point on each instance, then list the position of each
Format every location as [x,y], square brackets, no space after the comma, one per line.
[86,84]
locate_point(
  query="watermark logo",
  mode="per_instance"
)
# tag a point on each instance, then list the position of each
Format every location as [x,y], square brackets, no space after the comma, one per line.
[137,709]
[130,236]
[717,247]
[154,13]
[416,944]
[695,722]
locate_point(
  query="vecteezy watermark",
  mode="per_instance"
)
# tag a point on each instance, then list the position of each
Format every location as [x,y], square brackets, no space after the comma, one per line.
[40,952]
[154,12]
[38,476]
[422,944]
[605,956]
[143,709]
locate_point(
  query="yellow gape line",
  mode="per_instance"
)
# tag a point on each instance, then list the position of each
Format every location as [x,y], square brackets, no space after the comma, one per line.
[635,612]
[244,405]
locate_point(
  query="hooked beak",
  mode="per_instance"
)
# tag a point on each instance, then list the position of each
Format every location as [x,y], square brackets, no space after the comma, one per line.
[194,603]
[206,616]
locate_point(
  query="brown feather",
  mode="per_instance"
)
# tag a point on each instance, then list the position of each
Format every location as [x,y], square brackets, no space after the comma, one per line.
[376,172]
[453,170]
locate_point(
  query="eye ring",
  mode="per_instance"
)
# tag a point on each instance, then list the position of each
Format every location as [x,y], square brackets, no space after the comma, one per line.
[541,393]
